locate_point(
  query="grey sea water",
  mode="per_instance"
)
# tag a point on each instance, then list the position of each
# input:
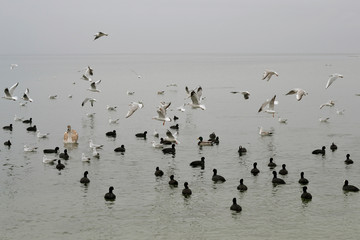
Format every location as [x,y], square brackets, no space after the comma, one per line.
[39,202]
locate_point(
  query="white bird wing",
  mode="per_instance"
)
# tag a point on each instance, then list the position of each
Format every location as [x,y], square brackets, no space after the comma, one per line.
[161,112]
[85,101]
[7,93]
[89,71]
[264,105]
[12,88]
[292,91]
[84,77]
[300,94]
[332,78]
[199,93]
[133,106]
[266,75]
[271,103]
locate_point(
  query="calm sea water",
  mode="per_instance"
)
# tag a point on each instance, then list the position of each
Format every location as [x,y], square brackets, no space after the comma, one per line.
[39,202]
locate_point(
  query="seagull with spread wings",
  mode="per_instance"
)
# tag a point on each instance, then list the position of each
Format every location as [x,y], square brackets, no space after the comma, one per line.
[133,106]
[299,93]
[10,91]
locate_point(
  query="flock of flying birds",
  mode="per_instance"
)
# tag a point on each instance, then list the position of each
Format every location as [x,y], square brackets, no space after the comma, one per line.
[196,97]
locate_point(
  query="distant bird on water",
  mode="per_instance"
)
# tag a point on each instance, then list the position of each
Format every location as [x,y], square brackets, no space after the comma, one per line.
[85,179]
[110,196]
[349,188]
[319,151]
[235,207]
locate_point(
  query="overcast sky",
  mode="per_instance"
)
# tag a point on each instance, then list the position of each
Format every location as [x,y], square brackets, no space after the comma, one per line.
[180,26]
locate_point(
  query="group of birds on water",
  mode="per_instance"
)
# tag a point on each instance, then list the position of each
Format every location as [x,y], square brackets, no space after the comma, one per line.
[196,96]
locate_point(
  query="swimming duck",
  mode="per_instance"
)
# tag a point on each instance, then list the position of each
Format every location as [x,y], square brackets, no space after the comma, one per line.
[235,207]
[255,171]
[319,151]
[303,180]
[173,182]
[165,142]
[333,147]
[85,179]
[305,195]
[200,163]
[55,150]
[241,150]
[111,134]
[7,143]
[186,191]
[349,188]
[10,128]
[60,166]
[169,150]
[348,160]
[283,171]
[120,149]
[28,121]
[110,196]
[212,137]
[141,135]
[175,118]
[204,143]
[158,172]
[242,187]
[32,129]
[64,155]
[217,178]
[271,164]
[277,180]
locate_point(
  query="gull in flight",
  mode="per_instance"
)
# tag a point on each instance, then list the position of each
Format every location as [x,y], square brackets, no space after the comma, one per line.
[330,103]
[161,92]
[268,74]
[196,99]
[89,71]
[13,65]
[324,120]
[133,106]
[10,91]
[332,78]
[99,35]
[114,121]
[129,93]
[271,104]
[282,120]
[138,75]
[93,86]
[299,93]
[162,113]
[91,100]
[26,97]
[111,108]
[52,96]
[86,78]
[42,135]
[262,132]
[246,94]
[171,137]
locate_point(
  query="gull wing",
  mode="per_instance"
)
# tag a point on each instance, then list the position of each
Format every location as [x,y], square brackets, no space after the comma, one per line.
[271,103]
[194,98]
[12,88]
[264,105]
[133,106]
[331,80]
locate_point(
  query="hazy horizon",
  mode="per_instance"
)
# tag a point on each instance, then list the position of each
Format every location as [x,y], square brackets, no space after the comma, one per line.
[180,27]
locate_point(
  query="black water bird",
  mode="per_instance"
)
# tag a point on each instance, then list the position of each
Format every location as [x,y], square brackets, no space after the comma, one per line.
[85,179]
[305,195]
[60,166]
[204,143]
[32,129]
[7,143]
[349,188]
[303,180]
[169,150]
[64,155]
[348,160]
[242,187]
[242,150]
[175,118]
[165,142]
[111,133]
[333,147]
[200,163]
[28,121]
[120,149]
[235,207]
[283,171]
[175,126]
[10,127]
[110,196]
[277,180]
[141,135]
[271,164]
[173,182]
[158,172]
[255,171]
[55,150]
[319,151]
[186,191]
[217,178]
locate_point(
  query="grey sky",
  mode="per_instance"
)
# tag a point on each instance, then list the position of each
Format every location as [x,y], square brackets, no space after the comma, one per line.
[180,26]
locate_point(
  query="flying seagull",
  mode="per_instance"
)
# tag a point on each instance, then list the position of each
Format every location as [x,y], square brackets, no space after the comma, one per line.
[91,100]
[268,74]
[26,97]
[9,92]
[332,78]
[99,35]
[133,106]
[299,93]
